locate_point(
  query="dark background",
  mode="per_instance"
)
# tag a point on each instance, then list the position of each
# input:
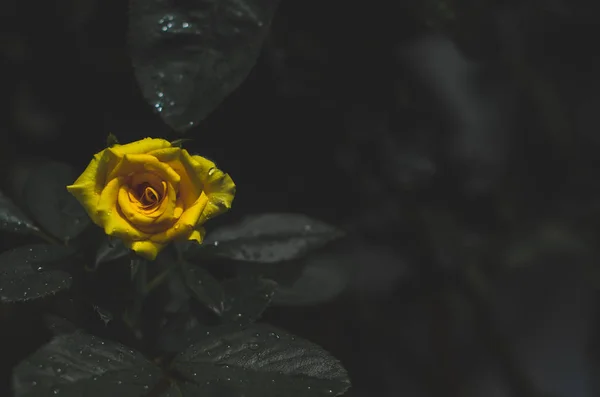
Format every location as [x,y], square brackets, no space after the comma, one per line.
[455,140]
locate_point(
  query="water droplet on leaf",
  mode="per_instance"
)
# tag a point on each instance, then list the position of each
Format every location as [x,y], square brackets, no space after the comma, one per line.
[253,346]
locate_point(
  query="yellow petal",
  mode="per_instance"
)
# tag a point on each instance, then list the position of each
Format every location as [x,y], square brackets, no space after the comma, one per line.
[140,163]
[110,216]
[86,188]
[218,186]
[186,223]
[146,249]
[162,218]
[197,235]
[142,146]
[190,186]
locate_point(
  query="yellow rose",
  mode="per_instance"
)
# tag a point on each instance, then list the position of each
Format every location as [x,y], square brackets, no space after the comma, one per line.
[148,193]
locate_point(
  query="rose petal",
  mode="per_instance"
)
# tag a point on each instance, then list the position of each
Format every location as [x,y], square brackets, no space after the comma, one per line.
[110,216]
[197,235]
[185,225]
[218,186]
[190,186]
[132,164]
[142,146]
[158,220]
[146,249]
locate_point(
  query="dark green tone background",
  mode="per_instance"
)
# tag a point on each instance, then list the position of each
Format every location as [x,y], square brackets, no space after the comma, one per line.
[442,159]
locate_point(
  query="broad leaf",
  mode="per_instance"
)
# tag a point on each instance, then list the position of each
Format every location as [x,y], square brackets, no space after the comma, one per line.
[78,364]
[319,282]
[51,205]
[204,287]
[12,219]
[189,55]
[244,302]
[260,361]
[270,238]
[28,272]
[247,299]
[110,249]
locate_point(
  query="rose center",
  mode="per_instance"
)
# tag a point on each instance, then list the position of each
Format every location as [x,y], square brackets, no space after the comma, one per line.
[147,195]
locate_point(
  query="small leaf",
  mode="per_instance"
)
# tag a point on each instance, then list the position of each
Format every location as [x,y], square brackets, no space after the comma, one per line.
[27,272]
[111,140]
[270,238]
[12,219]
[83,365]
[51,205]
[259,361]
[247,299]
[104,314]
[189,56]
[180,142]
[204,287]
[111,249]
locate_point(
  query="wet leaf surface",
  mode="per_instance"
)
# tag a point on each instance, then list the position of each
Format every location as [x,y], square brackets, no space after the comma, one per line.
[79,364]
[259,361]
[51,205]
[189,55]
[12,219]
[270,238]
[30,272]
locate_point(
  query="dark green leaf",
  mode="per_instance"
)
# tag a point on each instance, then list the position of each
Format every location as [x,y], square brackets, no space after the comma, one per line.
[259,361]
[320,281]
[270,238]
[111,140]
[12,219]
[83,365]
[51,205]
[204,287]
[179,142]
[27,272]
[111,249]
[247,299]
[188,56]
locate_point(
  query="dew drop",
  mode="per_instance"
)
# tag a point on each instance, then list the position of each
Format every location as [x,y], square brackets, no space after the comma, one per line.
[253,346]
[59,370]
[119,382]
[34,383]
[40,268]
[55,391]
[195,374]
[185,25]
[211,171]
[216,243]
[146,387]
[228,378]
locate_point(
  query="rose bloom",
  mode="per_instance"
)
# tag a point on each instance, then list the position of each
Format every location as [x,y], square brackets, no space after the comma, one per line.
[148,193]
